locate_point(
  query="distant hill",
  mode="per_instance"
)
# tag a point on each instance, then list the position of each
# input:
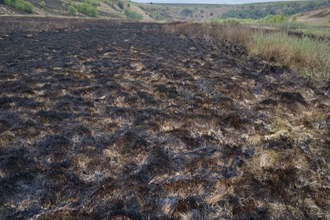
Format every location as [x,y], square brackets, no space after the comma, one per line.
[257,11]
[125,9]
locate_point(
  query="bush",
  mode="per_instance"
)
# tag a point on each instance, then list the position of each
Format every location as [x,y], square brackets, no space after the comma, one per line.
[158,17]
[186,12]
[133,15]
[120,5]
[42,4]
[88,9]
[20,5]
[72,10]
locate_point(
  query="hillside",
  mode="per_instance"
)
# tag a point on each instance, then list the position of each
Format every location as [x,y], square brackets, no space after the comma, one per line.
[152,12]
[315,17]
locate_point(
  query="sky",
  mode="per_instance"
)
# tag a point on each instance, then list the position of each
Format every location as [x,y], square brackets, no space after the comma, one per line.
[206,1]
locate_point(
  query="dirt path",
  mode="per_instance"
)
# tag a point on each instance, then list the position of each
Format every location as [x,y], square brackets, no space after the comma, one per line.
[122,120]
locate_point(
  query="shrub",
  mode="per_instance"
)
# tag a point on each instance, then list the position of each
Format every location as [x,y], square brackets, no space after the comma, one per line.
[158,17]
[42,4]
[20,5]
[72,10]
[186,12]
[121,5]
[133,15]
[88,9]
[294,18]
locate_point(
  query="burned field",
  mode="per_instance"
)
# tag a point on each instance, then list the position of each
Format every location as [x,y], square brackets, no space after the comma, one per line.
[126,122]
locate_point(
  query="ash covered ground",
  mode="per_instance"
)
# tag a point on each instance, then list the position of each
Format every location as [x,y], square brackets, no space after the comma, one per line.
[122,121]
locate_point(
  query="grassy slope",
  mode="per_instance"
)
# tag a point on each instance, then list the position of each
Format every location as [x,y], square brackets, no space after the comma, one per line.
[108,8]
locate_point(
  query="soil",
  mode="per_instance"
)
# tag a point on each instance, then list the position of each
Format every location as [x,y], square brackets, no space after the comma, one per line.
[120,121]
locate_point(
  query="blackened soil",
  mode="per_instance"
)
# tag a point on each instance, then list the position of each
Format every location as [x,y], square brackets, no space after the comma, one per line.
[125,122]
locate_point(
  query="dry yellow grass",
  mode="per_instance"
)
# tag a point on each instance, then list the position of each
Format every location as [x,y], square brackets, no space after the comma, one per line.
[308,56]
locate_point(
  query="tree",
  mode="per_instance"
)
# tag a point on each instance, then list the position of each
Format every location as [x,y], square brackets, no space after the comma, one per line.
[128,5]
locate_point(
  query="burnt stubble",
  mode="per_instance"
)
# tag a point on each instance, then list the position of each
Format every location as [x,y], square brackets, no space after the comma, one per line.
[122,121]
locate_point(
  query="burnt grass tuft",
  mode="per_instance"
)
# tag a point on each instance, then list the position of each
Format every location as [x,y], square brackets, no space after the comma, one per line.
[123,121]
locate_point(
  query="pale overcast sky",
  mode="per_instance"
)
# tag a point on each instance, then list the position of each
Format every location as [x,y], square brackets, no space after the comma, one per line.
[205,1]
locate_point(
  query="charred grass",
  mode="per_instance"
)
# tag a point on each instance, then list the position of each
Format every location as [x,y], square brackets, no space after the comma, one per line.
[138,121]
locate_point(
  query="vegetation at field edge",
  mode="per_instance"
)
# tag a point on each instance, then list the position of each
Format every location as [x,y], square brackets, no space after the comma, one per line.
[308,56]
[311,57]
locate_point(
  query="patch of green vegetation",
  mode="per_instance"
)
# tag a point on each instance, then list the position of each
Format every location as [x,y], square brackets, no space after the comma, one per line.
[72,10]
[255,11]
[186,12]
[318,31]
[158,17]
[133,14]
[279,18]
[42,4]
[20,5]
[120,5]
[88,9]
[278,21]
[294,18]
